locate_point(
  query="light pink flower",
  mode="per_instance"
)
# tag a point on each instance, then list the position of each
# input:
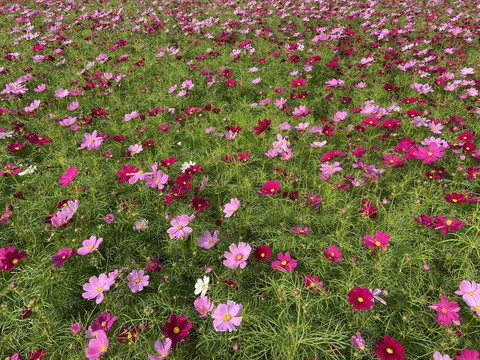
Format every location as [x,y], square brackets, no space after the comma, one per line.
[203,305]
[163,350]
[237,256]
[231,207]
[137,280]
[73,105]
[180,227]
[91,142]
[158,180]
[96,286]
[225,317]
[207,240]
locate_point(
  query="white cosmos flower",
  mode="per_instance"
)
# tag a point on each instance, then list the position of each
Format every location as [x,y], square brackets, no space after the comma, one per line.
[30,170]
[201,287]
[186,165]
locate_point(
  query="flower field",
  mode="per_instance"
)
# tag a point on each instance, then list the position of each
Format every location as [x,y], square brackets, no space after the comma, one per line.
[229,179]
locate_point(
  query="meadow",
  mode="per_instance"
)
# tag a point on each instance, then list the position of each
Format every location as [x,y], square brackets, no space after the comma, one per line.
[231,179]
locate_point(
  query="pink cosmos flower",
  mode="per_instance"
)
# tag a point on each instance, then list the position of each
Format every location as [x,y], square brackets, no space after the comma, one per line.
[207,240]
[438,356]
[300,230]
[333,254]
[76,328]
[225,316]
[158,180]
[62,256]
[447,312]
[96,286]
[237,256]
[163,350]
[97,346]
[60,93]
[281,143]
[180,227]
[68,121]
[447,224]
[284,263]
[468,288]
[137,280]
[40,88]
[91,142]
[231,207]
[67,178]
[64,215]
[132,115]
[89,245]
[358,342]
[467,355]
[328,169]
[380,241]
[203,305]
[109,218]
[429,155]
[73,105]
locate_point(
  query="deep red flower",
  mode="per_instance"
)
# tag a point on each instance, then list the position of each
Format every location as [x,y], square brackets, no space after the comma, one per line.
[177,329]
[193,169]
[168,162]
[15,146]
[243,157]
[389,349]
[153,265]
[199,204]
[262,126]
[232,284]
[37,355]
[262,252]
[183,180]
[360,298]
[26,313]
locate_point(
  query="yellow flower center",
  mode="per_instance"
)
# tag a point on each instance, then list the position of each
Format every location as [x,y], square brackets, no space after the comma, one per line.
[14,261]
[360,299]
[157,181]
[179,227]
[430,154]
[262,255]
[391,161]
[176,330]
[102,349]
[63,257]
[477,307]
[377,243]
[239,257]
[164,355]
[449,222]
[137,280]
[470,293]
[210,242]
[104,323]
[90,247]
[332,254]
[444,311]
[454,200]
[99,289]
[203,287]
[204,310]
[92,140]
[390,351]
[272,190]
[284,263]
[227,317]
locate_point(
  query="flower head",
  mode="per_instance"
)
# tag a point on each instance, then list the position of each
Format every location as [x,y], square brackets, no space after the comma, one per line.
[360,298]
[68,177]
[389,349]
[137,280]
[177,329]
[201,286]
[97,346]
[284,263]
[163,350]
[380,240]
[207,240]
[237,256]
[96,286]
[89,245]
[231,207]
[62,256]
[225,316]
[10,257]
[447,312]
[203,305]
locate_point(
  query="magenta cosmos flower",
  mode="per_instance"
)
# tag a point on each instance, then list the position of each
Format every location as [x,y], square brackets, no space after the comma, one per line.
[284,263]
[180,227]
[103,322]
[447,312]
[270,188]
[429,155]
[333,254]
[466,354]
[447,224]
[225,316]
[231,207]
[360,298]
[97,346]
[137,280]
[380,241]
[89,245]
[237,256]
[96,286]
[10,257]
[207,240]
[62,256]
[67,178]
[163,350]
